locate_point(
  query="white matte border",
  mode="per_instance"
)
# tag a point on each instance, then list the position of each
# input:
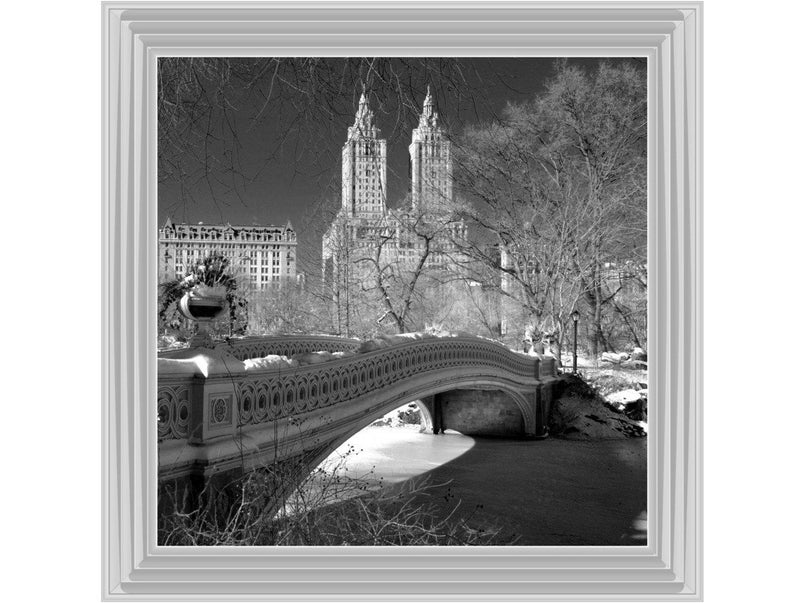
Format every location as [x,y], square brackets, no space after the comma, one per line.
[668,34]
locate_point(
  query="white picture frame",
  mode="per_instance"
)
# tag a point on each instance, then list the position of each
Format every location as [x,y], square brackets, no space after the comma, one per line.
[667,33]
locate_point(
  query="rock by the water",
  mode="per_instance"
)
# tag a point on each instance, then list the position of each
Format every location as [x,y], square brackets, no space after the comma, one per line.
[625,396]
[639,354]
[634,364]
[585,419]
[614,357]
[637,410]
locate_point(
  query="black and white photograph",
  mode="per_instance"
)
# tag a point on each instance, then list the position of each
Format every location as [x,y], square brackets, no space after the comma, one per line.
[402,301]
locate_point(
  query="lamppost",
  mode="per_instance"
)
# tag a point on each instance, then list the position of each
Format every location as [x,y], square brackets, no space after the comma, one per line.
[575,317]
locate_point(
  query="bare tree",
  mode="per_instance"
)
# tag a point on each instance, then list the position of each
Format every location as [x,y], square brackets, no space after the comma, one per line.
[521,241]
[412,253]
[558,194]
[286,307]
[604,117]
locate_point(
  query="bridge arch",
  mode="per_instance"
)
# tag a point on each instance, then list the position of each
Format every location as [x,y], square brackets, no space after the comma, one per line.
[524,402]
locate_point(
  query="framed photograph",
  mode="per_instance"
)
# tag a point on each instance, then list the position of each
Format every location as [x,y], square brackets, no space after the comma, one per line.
[390,292]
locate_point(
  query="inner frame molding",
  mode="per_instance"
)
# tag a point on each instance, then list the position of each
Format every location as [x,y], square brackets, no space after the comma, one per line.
[669,34]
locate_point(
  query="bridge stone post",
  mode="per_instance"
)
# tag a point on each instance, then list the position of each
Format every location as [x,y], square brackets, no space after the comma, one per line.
[213,396]
[539,423]
[543,402]
[213,399]
[213,417]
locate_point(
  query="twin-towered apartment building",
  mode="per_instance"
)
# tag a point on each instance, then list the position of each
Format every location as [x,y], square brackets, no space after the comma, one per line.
[365,226]
[267,254]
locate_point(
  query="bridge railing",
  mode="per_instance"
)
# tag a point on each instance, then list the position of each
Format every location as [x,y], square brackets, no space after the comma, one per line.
[244,348]
[174,406]
[196,407]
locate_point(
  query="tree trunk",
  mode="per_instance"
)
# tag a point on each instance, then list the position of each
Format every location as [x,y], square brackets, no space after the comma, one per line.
[594,296]
[628,324]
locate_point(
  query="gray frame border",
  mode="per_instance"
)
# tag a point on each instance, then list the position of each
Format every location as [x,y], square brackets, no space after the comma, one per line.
[668,33]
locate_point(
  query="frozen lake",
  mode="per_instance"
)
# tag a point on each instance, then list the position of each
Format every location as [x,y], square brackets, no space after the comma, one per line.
[397,454]
[540,492]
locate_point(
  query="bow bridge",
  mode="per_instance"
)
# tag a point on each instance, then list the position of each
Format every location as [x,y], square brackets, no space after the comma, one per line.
[220,413]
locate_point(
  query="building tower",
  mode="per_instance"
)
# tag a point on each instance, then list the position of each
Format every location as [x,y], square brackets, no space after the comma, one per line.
[363,212]
[364,189]
[430,160]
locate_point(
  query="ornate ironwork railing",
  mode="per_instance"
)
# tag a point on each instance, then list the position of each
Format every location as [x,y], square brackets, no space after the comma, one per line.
[173,407]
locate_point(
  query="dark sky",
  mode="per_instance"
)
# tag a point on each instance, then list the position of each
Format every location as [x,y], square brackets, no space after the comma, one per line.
[293,167]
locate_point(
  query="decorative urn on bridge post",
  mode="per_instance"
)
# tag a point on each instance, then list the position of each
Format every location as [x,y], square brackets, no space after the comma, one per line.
[203,304]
